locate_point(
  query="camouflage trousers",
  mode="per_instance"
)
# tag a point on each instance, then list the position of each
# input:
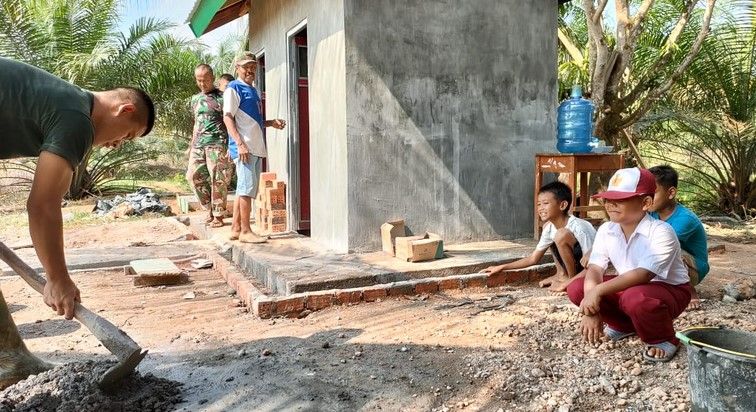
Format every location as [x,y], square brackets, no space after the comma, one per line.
[209,173]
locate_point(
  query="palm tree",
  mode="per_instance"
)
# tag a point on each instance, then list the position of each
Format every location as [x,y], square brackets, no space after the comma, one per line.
[630,60]
[79,41]
[707,128]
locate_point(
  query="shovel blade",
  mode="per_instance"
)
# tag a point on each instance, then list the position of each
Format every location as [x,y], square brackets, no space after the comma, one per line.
[124,367]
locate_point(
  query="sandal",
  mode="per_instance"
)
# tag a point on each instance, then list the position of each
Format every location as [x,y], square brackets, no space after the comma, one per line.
[669,348]
[615,335]
[217,223]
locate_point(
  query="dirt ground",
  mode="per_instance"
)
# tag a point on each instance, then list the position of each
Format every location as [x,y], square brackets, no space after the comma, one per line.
[512,348]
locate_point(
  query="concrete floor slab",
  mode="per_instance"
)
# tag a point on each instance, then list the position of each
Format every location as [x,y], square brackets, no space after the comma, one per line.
[295,264]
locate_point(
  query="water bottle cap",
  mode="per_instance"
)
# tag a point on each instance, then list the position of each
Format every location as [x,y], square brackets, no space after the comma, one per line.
[577,91]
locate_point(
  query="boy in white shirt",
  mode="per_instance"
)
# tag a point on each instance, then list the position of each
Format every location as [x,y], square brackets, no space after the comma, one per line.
[568,238]
[652,288]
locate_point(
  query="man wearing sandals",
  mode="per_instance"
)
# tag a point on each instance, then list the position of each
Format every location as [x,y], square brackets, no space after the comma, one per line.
[652,288]
[243,116]
[209,170]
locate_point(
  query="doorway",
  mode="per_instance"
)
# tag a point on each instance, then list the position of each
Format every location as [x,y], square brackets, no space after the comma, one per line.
[299,164]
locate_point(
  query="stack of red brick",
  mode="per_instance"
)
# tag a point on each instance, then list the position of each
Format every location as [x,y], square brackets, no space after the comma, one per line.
[270,204]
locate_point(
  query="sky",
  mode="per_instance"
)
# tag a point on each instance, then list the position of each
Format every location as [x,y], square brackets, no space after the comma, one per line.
[177,11]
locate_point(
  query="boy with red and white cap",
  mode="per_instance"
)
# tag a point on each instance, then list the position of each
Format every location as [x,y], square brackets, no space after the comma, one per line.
[652,288]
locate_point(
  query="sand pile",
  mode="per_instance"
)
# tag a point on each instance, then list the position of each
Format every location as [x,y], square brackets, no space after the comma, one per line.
[73,387]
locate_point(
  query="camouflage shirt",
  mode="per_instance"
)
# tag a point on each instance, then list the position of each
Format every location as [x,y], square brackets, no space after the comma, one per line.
[207,109]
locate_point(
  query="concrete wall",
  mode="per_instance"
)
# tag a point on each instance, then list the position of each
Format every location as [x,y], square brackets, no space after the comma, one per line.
[447,103]
[270,20]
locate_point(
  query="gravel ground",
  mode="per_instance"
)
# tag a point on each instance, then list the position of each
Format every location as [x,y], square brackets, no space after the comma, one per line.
[73,388]
[551,369]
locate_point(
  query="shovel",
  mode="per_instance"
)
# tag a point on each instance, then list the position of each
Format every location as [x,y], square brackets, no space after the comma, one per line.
[127,351]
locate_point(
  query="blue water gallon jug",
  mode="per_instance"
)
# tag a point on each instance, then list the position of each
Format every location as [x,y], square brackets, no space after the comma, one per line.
[575,123]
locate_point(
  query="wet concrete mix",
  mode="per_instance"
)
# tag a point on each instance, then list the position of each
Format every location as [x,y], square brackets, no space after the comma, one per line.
[73,387]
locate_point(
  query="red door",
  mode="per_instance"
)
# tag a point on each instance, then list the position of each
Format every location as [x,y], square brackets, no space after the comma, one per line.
[300,40]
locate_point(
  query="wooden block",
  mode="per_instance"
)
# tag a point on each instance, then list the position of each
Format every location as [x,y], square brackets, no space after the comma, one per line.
[440,250]
[389,232]
[402,250]
[422,250]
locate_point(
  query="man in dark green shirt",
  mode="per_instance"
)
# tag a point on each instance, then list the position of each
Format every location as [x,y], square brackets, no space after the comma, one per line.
[46,117]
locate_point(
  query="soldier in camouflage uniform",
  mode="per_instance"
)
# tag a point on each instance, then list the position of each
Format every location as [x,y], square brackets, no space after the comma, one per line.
[209,169]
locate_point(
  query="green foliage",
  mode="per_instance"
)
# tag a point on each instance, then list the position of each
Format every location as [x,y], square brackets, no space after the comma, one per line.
[707,127]
[79,41]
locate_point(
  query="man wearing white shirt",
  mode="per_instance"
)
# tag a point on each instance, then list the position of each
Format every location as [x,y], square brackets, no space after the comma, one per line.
[242,115]
[652,288]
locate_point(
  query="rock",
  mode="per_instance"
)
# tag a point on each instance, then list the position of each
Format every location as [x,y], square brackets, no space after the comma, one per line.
[342,335]
[741,289]
[621,402]
[607,386]
[537,373]
[230,291]
[637,371]
[403,349]
[189,295]
[266,352]
[242,353]
[303,314]
[564,408]
[230,379]
[326,345]
[729,299]
[507,395]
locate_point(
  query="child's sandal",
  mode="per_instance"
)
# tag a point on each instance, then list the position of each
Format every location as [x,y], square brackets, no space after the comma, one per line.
[615,335]
[669,348]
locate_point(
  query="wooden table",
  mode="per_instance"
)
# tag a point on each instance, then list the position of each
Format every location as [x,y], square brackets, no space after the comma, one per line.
[575,166]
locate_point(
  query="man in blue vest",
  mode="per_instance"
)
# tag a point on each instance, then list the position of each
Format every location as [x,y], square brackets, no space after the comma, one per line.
[242,114]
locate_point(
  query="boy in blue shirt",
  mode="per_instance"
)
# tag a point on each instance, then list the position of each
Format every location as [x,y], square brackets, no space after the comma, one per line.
[689,229]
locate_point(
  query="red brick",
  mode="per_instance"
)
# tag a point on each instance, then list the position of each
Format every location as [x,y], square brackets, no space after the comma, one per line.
[278,213]
[275,220]
[449,284]
[476,281]
[277,228]
[268,176]
[319,301]
[374,293]
[425,286]
[516,276]
[264,307]
[346,297]
[290,305]
[401,289]
[279,205]
[496,280]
